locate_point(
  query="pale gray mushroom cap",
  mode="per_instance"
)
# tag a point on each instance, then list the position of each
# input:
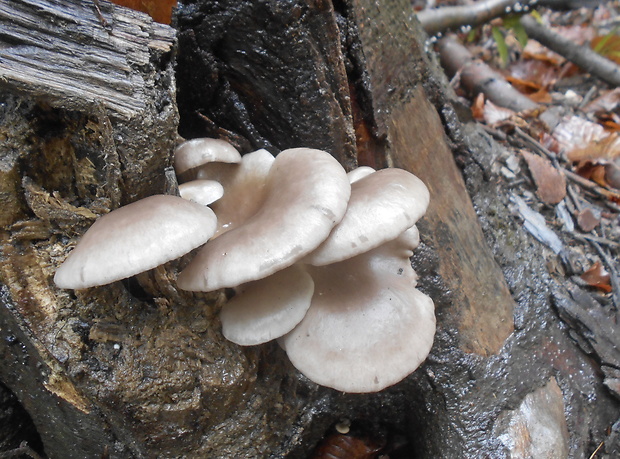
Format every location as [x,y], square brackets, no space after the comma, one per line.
[135,238]
[196,152]
[306,194]
[203,192]
[367,327]
[359,173]
[268,308]
[383,205]
[245,188]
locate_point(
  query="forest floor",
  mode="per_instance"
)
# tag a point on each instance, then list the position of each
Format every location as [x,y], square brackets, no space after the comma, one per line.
[560,160]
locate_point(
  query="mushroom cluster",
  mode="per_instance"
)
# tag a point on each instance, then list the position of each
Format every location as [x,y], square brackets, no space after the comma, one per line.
[318,258]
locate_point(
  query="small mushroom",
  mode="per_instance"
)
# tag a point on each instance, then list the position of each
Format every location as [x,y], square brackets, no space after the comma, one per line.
[305,195]
[196,152]
[359,173]
[135,238]
[268,308]
[383,204]
[368,327]
[203,192]
[244,188]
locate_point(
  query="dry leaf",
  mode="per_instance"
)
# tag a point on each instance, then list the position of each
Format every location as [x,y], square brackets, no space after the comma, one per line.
[338,446]
[576,132]
[533,73]
[523,85]
[599,150]
[607,102]
[607,46]
[477,108]
[494,113]
[597,277]
[588,220]
[550,181]
[541,96]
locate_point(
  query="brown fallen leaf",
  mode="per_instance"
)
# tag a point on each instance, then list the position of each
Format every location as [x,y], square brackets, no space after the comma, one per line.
[588,220]
[477,108]
[607,46]
[606,102]
[598,277]
[541,96]
[550,182]
[606,148]
[575,132]
[338,446]
[494,114]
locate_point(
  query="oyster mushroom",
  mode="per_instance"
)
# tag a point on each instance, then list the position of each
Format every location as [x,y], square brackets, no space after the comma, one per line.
[203,192]
[197,152]
[383,205]
[304,195]
[268,308]
[367,327]
[135,238]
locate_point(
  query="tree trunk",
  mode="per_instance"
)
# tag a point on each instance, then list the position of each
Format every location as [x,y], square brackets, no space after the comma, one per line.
[139,368]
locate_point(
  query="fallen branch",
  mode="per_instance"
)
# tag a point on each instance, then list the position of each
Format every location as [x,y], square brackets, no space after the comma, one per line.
[478,77]
[582,56]
[453,17]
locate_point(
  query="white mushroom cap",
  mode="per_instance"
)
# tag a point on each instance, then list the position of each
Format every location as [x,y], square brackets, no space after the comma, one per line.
[245,188]
[306,194]
[268,308]
[197,152]
[382,206]
[367,327]
[135,238]
[359,172]
[202,192]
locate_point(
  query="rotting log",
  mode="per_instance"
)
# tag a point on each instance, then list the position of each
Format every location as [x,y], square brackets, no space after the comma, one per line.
[138,368]
[82,91]
[375,88]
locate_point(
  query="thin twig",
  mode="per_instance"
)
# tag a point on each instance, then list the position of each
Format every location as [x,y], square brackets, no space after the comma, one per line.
[476,76]
[538,146]
[592,186]
[599,240]
[582,56]
[596,450]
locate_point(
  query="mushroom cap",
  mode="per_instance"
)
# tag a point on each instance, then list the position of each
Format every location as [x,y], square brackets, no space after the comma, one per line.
[383,205]
[202,192]
[268,308]
[197,152]
[359,172]
[244,187]
[306,194]
[367,327]
[135,238]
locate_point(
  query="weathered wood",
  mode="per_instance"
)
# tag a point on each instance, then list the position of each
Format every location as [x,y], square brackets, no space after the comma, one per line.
[145,363]
[414,138]
[60,51]
[80,98]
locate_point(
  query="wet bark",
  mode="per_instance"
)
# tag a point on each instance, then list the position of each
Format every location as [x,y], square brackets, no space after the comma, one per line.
[138,368]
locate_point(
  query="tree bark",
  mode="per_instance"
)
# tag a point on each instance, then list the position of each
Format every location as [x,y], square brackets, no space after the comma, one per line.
[139,368]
